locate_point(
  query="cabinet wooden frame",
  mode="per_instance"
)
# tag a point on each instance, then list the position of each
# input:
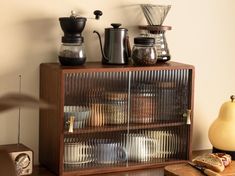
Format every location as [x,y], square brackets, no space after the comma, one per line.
[51,123]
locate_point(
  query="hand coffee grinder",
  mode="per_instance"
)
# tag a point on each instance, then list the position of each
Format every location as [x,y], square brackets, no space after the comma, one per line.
[155,16]
[72,50]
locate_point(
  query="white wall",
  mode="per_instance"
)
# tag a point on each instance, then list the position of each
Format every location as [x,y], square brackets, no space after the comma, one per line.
[202,35]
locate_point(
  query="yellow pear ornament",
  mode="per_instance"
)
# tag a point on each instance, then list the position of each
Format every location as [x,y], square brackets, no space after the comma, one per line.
[222,131]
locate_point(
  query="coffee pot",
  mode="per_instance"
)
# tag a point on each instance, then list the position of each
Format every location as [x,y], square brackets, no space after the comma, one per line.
[116,45]
[155,16]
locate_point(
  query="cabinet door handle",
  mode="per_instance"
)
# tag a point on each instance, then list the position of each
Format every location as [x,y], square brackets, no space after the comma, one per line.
[188,116]
[71,122]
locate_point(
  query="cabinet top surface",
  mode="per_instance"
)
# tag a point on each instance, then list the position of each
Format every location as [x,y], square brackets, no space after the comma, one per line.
[98,66]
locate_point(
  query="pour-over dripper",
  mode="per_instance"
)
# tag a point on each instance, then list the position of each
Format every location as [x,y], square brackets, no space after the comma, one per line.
[155,14]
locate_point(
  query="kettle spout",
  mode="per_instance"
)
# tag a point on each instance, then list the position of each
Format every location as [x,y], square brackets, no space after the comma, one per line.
[102,51]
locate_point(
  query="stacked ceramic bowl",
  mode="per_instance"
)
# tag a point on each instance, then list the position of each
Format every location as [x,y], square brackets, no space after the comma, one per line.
[80,114]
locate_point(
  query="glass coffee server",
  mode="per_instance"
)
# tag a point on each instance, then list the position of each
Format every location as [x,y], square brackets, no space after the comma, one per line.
[115,118]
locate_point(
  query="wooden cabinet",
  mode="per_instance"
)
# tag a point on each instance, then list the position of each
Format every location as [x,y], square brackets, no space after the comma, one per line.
[115,118]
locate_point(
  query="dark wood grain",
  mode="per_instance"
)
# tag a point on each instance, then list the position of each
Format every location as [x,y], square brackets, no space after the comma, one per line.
[49,123]
[6,164]
[187,170]
[97,66]
[42,171]
[51,134]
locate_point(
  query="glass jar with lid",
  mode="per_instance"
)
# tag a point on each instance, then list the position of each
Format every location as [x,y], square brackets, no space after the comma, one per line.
[144,52]
[72,51]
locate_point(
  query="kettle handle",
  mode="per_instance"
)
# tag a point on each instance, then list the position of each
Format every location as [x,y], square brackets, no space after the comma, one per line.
[102,51]
[128,46]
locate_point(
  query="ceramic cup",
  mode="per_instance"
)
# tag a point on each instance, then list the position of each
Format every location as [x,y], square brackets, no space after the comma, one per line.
[77,153]
[110,153]
[141,148]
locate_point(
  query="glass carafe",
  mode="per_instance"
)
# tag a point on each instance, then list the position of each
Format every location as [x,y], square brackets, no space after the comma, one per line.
[155,16]
[158,33]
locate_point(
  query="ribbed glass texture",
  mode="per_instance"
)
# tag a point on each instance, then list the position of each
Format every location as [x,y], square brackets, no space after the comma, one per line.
[120,119]
[159,96]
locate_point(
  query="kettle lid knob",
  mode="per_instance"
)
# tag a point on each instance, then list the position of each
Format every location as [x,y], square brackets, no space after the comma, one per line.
[97,14]
[116,25]
[232,97]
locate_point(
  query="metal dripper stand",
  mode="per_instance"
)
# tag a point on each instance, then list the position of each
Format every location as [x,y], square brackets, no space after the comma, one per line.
[155,16]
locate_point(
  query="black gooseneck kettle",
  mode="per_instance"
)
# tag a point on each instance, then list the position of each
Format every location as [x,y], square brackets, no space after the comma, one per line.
[116,45]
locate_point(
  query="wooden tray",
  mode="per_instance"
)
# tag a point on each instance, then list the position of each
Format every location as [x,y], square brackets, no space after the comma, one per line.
[187,170]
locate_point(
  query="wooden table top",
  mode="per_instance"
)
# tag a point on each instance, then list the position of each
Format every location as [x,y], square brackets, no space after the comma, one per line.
[39,170]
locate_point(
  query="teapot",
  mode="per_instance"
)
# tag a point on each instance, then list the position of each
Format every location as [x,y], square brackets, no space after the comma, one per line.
[116,45]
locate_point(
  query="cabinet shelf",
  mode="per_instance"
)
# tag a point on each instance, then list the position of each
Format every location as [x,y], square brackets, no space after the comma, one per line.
[123,127]
[89,96]
[112,169]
